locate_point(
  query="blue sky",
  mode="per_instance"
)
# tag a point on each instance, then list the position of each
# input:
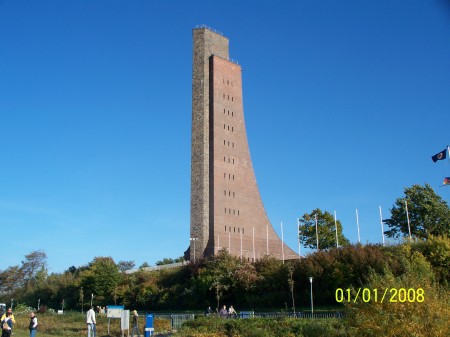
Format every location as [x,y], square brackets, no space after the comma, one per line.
[345,102]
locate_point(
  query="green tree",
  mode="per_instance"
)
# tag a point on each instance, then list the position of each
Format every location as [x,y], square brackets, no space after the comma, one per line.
[125,265]
[325,228]
[34,268]
[428,214]
[271,288]
[167,260]
[219,274]
[164,261]
[101,279]
[10,280]
[144,265]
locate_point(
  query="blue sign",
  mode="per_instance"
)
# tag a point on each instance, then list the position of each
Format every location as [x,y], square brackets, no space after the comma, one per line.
[149,325]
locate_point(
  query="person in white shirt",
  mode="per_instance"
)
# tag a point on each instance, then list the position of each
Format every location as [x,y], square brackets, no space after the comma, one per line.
[33,324]
[90,320]
[232,312]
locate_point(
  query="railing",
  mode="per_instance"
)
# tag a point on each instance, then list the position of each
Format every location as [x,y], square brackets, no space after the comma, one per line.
[302,314]
[209,28]
[176,320]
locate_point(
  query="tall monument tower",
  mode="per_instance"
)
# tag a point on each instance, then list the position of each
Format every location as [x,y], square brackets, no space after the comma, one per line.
[226,208]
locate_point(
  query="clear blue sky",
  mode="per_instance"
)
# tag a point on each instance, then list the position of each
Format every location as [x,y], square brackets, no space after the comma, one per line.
[345,102]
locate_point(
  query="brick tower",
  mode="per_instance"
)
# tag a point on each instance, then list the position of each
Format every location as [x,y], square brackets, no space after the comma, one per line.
[226,208]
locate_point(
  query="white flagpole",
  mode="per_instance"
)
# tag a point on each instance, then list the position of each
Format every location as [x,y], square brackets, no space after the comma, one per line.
[298,237]
[357,224]
[241,245]
[335,226]
[448,156]
[407,217]
[317,235]
[382,226]
[282,240]
[253,243]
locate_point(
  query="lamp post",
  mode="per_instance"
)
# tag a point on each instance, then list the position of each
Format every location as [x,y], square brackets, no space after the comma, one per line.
[92,299]
[193,239]
[312,304]
[39,304]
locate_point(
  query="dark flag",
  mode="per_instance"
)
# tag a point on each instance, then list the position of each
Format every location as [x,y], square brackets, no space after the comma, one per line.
[446,181]
[439,156]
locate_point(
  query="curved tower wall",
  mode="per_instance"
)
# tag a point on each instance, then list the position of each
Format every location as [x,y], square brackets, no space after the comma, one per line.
[226,208]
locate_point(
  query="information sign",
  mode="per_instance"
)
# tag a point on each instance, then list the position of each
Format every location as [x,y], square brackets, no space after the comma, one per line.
[115,311]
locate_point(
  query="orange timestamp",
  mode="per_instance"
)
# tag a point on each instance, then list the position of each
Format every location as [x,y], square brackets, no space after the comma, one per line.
[391,295]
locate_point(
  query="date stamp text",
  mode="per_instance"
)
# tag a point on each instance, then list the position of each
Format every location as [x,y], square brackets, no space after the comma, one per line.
[391,295]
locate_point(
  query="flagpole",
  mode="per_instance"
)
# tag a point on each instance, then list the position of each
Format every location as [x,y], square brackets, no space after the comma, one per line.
[241,245]
[282,240]
[253,244]
[335,226]
[382,226]
[446,164]
[448,156]
[407,217]
[357,224]
[317,235]
[298,236]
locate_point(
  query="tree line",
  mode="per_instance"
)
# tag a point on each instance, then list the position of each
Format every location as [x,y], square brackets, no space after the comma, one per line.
[224,279]
[267,284]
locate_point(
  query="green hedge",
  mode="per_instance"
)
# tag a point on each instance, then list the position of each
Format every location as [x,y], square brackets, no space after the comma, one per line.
[262,327]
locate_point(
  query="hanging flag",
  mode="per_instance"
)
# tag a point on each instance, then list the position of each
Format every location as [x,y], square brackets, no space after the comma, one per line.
[440,156]
[446,181]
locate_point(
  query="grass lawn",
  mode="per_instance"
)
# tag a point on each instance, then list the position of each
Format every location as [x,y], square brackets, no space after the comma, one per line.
[26,333]
[73,324]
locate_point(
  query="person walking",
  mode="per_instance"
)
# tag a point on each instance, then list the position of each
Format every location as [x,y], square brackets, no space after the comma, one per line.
[135,323]
[33,324]
[7,322]
[90,320]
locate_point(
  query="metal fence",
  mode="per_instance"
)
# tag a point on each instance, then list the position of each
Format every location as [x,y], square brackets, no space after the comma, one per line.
[302,314]
[176,320]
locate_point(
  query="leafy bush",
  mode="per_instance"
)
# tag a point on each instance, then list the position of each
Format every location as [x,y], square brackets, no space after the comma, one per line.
[437,251]
[417,318]
[263,327]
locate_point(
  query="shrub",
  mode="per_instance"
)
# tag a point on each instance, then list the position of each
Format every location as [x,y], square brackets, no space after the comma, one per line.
[263,327]
[394,319]
[437,251]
